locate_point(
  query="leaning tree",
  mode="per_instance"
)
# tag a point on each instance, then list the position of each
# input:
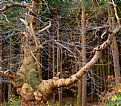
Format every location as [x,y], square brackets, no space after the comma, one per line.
[32,89]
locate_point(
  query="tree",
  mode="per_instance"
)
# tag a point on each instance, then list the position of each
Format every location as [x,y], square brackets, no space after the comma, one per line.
[27,76]
[84,83]
[114,46]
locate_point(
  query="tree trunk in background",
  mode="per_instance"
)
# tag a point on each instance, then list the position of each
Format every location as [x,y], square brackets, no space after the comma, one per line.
[53,69]
[114,46]
[49,61]
[39,68]
[115,59]
[10,68]
[84,85]
[0,66]
[79,96]
[79,84]
[59,68]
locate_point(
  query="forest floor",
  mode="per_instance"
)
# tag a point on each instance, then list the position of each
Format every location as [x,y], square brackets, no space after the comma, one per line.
[71,101]
[66,101]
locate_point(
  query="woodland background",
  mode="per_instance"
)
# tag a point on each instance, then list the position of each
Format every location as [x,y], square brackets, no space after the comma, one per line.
[63,52]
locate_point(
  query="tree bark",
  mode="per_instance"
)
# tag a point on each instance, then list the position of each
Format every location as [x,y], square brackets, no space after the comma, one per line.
[59,65]
[116,59]
[1,67]
[84,82]
[83,43]
[114,47]
[26,77]
[43,91]
[53,61]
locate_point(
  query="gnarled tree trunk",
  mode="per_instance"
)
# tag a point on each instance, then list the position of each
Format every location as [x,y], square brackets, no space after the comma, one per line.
[32,90]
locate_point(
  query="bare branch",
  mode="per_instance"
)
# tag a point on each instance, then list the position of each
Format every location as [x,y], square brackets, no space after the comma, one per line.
[46,87]
[115,10]
[6,18]
[7,6]
[45,27]
[37,62]
[7,74]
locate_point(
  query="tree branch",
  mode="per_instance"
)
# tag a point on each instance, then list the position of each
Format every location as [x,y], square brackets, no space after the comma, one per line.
[45,28]
[46,87]
[7,6]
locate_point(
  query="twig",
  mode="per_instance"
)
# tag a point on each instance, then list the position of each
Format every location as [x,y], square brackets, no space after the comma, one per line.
[36,59]
[45,27]
[6,18]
